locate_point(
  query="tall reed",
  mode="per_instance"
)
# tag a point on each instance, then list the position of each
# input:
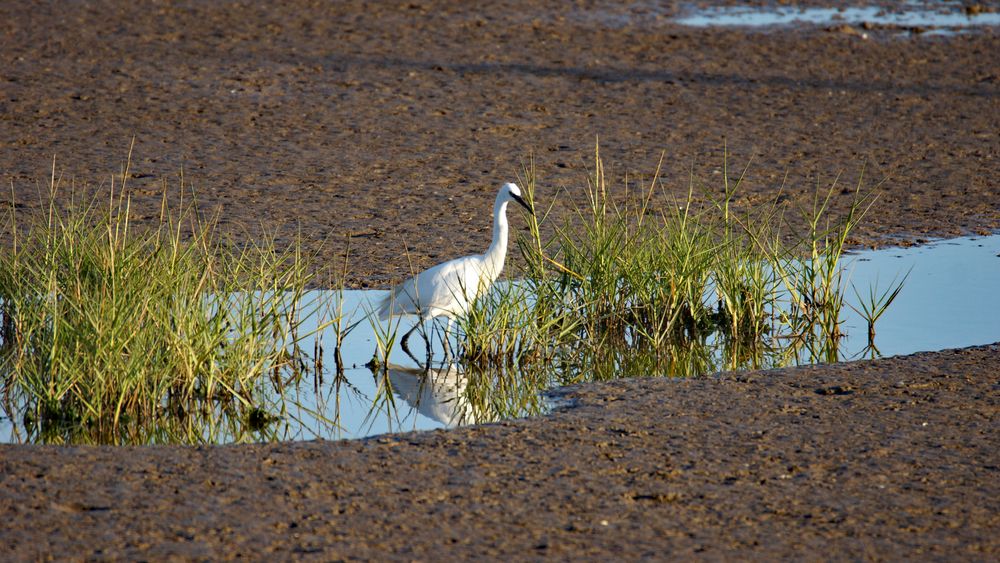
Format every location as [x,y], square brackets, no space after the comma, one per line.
[656,281]
[109,326]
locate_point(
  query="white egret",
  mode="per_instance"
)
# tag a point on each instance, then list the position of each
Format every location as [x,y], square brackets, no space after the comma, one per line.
[449,289]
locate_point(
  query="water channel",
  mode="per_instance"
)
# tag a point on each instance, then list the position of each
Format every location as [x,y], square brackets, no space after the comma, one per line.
[948,301]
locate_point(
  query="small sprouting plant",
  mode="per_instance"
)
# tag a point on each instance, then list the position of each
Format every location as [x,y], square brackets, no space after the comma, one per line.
[874,303]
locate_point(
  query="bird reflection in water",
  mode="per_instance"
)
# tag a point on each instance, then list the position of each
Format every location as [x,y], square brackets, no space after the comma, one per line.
[438,394]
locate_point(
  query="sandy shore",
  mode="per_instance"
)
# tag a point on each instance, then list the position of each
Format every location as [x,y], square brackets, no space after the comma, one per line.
[396,123]
[887,459]
[393,124]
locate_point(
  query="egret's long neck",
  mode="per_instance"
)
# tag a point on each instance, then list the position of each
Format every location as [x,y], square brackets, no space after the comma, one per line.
[498,248]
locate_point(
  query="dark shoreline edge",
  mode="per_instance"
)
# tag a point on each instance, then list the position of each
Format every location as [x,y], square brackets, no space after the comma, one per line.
[896,457]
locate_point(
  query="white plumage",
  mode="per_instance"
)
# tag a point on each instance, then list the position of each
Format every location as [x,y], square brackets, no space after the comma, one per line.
[450,288]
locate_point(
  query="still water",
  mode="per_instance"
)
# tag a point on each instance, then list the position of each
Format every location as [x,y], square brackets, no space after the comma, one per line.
[948,300]
[944,17]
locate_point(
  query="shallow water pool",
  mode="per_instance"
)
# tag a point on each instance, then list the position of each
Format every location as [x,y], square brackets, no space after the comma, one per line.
[945,16]
[948,300]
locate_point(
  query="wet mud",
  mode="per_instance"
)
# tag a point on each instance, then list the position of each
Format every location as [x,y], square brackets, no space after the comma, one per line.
[393,124]
[894,458]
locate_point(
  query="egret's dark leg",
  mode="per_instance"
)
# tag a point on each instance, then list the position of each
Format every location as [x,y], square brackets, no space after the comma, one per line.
[406,337]
[427,342]
[447,339]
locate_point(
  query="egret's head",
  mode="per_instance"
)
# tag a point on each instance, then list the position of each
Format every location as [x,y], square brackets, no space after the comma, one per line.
[513,192]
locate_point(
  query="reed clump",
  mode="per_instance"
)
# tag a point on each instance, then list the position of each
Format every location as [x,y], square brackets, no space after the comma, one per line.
[682,289]
[109,329]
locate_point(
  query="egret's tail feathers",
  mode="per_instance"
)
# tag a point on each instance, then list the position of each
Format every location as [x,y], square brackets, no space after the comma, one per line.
[399,301]
[384,308]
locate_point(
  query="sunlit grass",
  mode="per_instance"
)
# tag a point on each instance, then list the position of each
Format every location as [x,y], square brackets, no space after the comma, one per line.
[118,334]
[108,326]
[626,288]
[874,303]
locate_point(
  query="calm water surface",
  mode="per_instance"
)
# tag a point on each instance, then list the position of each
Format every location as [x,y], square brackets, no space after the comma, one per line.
[949,300]
[945,16]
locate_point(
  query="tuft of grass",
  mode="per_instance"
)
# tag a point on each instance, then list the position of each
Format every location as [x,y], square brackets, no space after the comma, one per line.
[498,327]
[874,304]
[744,280]
[385,339]
[118,334]
[625,287]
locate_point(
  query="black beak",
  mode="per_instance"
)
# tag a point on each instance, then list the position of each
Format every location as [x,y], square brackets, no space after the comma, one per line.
[518,199]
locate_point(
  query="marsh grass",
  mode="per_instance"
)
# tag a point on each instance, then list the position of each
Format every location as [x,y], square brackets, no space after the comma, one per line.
[875,303]
[335,319]
[815,283]
[625,287]
[114,333]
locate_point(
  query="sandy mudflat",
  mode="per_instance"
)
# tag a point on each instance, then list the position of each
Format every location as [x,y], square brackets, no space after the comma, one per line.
[895,458]
[394,124]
